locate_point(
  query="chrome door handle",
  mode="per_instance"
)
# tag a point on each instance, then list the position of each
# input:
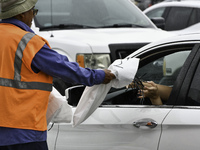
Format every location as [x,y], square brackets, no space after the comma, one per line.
[145,122]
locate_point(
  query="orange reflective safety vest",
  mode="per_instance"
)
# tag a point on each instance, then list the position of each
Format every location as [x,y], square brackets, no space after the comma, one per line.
[24,94]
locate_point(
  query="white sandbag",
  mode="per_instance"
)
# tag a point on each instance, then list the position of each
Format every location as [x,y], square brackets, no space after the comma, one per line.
[92,97]
[58,111]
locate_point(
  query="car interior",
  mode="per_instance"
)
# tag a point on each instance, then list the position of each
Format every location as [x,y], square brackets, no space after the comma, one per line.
[162,70]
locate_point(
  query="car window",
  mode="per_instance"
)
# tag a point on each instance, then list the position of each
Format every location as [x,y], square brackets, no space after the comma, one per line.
[161,68]
[165,69]
[90,13]
[185,91]
[193,97]
[156,13]
[195,17]
[177,18]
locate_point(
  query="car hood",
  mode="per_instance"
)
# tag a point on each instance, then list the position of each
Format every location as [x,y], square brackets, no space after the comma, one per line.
[107,36]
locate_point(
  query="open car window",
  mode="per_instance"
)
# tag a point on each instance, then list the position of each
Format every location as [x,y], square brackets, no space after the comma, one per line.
[159,65]
[162,70]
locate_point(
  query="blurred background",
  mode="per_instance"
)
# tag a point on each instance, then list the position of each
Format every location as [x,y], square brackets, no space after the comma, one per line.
[143,4]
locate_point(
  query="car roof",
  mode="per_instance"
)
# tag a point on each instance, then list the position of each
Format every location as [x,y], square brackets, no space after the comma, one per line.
[186,38]
[192,3]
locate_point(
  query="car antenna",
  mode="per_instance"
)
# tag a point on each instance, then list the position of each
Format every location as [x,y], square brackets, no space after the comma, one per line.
[52,18]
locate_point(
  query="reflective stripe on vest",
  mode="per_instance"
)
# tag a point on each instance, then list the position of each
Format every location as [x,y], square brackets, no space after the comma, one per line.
[17,83]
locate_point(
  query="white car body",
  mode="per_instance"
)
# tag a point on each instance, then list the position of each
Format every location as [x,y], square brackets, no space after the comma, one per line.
[70,43]
[173,126]
[191,29]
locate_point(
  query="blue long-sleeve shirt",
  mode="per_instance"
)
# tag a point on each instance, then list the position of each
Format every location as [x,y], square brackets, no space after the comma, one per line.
[56,65]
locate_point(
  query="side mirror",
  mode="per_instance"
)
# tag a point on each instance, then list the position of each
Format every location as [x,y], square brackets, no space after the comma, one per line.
[120,96]
[159,22]
[73,94]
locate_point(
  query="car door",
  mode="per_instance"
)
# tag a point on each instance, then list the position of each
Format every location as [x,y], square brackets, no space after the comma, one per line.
[124,122]
[181,128]
[112,127]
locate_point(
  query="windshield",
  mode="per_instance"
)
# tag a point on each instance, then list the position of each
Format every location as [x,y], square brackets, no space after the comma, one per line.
[76,14]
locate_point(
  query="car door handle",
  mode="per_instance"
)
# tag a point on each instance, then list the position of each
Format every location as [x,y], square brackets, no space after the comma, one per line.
[145,122]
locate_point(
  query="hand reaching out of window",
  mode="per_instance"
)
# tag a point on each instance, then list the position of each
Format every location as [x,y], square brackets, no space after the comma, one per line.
[155,92]
[151,91]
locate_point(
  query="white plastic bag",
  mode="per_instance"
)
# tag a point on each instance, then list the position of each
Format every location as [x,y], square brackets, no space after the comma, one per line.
[58,111]
[92,97]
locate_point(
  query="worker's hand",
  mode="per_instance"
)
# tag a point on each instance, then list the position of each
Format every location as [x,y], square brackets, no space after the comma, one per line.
[108,76]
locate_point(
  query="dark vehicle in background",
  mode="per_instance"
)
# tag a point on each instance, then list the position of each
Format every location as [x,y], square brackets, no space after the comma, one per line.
[143,4]
[177,14]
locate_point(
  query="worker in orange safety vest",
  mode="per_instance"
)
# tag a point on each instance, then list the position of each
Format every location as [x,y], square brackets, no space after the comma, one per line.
[27,68]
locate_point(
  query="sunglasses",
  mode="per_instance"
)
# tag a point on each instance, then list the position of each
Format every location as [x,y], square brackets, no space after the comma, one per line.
[35,11]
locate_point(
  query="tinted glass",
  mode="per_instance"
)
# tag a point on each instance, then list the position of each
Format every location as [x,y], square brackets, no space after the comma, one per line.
[195,17]
[178,18]
[94,13]
[193,97]
[156,13]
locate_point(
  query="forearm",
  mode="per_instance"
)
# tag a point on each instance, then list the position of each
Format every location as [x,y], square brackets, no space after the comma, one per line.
[151,90]
[164,91]
[56,65]
[156,101]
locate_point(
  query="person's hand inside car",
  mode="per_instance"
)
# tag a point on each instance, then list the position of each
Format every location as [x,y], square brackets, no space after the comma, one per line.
[151,91]
[155,92]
